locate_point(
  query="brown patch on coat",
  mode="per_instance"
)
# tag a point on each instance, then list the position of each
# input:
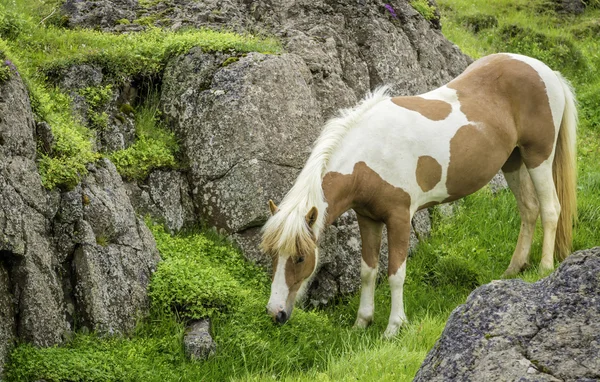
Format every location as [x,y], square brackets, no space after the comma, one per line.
[296,272]
[371,196]
[429,172]
[434,110]
[474,160]
[506,101]
[508,98]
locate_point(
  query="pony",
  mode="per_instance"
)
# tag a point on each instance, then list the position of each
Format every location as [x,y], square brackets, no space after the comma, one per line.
[389,157]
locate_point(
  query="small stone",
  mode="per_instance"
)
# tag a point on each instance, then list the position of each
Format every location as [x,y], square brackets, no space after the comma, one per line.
[197,341]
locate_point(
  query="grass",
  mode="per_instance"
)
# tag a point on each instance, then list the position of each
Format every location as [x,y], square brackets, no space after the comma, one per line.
[471,248]
[41,50]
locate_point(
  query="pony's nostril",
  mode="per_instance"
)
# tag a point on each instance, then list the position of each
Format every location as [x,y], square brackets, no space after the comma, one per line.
[281,317]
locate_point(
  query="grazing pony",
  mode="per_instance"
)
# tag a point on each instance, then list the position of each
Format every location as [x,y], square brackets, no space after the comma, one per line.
[390,156]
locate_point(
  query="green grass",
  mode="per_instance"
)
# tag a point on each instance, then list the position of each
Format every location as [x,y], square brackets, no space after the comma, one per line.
[155,146]
[471,248]
[42,50]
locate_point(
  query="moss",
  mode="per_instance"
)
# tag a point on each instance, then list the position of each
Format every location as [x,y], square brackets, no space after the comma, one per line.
[120,118]
[230,60]
[126,109]
[146,20]
[123,22]
[424,8]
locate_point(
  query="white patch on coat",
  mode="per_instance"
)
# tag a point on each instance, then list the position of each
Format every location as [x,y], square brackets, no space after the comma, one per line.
[279,289]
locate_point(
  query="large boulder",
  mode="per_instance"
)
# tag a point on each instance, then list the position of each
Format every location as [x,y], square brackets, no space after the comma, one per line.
[511,330]
[26,248]
[115,255]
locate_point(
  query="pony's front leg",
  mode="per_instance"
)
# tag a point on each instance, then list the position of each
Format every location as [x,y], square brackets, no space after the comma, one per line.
[370,234]
[398,241]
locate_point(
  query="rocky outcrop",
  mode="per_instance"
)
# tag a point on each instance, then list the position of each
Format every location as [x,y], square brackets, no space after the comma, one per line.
[100,104]
[511,330]
[68,260]
[247,123]
[26,252]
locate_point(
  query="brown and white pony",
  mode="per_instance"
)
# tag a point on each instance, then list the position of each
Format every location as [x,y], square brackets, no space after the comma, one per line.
[391,156]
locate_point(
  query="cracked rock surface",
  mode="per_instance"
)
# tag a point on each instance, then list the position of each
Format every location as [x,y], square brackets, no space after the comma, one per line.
[515,331]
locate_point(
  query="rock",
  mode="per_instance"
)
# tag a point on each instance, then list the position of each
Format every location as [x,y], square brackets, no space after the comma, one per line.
[115,257]
[26,251]
[251,166]
[98,13]
[498,183]
[569,6]
[166,197]
[197,342]
[513,330]
[7,315]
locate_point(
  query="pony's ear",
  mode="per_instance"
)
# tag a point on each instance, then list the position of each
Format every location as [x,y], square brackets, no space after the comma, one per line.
[273,207]
[311,216]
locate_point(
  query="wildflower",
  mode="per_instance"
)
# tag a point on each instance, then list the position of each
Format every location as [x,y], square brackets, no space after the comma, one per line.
[391,10]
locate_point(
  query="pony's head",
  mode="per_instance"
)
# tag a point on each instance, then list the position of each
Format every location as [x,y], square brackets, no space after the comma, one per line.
[290,239]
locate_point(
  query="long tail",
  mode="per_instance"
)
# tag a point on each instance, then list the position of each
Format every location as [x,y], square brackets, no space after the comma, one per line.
[565,172]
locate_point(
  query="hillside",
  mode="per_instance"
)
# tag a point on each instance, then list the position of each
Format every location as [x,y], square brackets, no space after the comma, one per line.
[201,273]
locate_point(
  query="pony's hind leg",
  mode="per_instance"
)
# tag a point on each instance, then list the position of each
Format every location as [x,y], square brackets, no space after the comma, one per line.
[522,187]
[370,233]
[549,210]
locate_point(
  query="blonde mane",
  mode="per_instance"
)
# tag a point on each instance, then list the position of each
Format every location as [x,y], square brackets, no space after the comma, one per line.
[287,230]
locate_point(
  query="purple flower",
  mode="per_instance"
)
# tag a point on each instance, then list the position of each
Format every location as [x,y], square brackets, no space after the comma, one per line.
[11,66]
[391,10]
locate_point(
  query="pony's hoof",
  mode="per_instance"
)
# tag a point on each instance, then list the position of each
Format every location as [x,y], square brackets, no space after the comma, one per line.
[392,330]
[545,270]
[361,323]
[512,271]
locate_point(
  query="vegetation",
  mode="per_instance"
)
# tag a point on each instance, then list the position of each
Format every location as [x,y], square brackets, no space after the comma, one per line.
[423,7]
[155,146]
[468,249]
[42,50]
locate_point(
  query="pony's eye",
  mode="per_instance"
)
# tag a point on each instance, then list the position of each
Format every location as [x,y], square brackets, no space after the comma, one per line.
[300,260]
